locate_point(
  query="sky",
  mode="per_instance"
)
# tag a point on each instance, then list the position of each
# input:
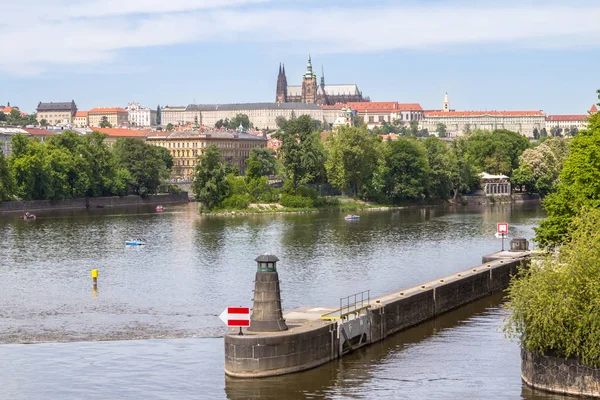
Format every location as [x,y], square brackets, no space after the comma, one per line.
[487,54]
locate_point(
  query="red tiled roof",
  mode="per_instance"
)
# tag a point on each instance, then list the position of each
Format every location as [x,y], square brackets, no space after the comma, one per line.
[101,110]
[566,117]
[81,114]
[594,109]
[38,132]
[482,113]
[121,132]
[8,109]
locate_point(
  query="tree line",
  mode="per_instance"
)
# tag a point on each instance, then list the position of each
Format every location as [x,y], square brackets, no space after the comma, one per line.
[69,165]
[357,162]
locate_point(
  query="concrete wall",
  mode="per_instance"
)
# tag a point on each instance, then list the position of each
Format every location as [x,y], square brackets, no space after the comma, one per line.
[559,375]
[91,202]
[251,356]
[254,356]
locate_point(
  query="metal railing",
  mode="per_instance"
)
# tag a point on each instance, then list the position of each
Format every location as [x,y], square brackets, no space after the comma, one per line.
[352,304]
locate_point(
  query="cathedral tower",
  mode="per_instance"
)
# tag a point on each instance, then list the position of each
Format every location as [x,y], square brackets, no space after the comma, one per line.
[281,94]
[309,84]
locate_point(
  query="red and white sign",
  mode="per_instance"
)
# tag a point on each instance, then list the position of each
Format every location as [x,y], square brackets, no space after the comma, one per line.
[502,228]
[236,316]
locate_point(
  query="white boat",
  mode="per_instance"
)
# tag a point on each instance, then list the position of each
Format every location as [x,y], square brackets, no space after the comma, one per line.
[352,217]
[135,242]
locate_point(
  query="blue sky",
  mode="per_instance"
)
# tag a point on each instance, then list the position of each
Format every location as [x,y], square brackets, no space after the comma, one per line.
[494,55]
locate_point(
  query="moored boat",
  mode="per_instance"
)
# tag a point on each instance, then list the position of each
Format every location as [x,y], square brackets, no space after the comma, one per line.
[351,217]
[160,208]
[28,217]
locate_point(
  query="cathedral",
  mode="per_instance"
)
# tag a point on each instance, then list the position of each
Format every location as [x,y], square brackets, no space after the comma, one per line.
[311,93]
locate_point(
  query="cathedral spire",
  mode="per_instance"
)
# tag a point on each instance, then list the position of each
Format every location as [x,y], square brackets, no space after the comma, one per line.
[309,70]
[322,76]
[279,68]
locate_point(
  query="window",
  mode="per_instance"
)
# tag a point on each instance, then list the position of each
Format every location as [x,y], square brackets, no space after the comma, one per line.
[381,118]
[371,119]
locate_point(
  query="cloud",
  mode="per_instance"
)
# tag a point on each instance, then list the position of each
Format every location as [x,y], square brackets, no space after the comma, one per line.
[50,34]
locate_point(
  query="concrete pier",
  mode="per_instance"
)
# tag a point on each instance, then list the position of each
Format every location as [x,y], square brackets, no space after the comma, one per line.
[312,340]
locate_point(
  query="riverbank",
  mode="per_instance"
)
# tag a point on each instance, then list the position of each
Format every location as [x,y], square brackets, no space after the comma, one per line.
[12,207]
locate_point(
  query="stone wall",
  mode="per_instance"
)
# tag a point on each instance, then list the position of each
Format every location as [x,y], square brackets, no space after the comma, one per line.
[92,202]
[254,356]
[559,375]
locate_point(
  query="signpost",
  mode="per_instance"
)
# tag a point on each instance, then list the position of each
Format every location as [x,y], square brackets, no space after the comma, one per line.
[502,231]
[236,317]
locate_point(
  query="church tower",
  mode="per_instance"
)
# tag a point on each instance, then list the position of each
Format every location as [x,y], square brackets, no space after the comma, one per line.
[309,84]
[446,103]
[281,94]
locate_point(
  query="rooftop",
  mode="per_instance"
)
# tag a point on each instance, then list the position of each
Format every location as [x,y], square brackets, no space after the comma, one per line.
[484,113]
[38,132]
[121,132]
[104,110]
[251,106]
[62,106]
[197,134]
[567,117]
[81,114]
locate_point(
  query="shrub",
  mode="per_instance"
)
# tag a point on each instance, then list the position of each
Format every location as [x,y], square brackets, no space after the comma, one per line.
[307,192]
[289,200]
[174,189]
[236,202]
[555,304]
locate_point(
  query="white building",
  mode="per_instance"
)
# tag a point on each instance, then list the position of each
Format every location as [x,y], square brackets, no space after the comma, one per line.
[566,122]
[261,115]
[140,116]
[523,122]
[377,113]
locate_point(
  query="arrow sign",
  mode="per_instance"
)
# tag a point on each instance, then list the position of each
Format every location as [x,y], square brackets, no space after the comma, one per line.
[236,316]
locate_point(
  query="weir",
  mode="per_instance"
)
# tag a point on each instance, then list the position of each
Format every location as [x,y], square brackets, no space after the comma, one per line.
[317,335]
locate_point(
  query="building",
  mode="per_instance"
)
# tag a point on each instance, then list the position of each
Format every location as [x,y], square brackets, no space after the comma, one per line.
[567,122]
[140,116]
[186,146]
[114,134]
[57,113]
[8,109]
[377,113]
[457,122]
[312,93]
[81,119]
[495,185]
[6,135]
[41,134]
[175,115]
[115,116]
[261,115]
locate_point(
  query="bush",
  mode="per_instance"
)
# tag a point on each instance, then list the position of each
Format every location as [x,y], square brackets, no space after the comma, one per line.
[289,200]
[174,189]
[555,303]
[307,192]
[236,202]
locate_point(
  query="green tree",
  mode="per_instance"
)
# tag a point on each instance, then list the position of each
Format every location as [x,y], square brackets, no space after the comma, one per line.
[14,115]
[555,131]
[464,172]
[7,182]
[441,165]
[240,120]
[44,122]
[352,158]
[158,115]
[466,129]
[2,116]
[262,162]
[495,152]
[554,302]
[441,130]
[30,169]
[536,134]
[145,163]
[104,122]
[302,153]
[210,184]
[523,178]
[578,186]
[573,131]
[543,133]
[280,121]
[413,127]
[408,170]
[169,126]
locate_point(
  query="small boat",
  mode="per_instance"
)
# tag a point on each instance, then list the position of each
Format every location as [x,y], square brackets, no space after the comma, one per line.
[160,208]
[352,217]
[28,217]
[135,242]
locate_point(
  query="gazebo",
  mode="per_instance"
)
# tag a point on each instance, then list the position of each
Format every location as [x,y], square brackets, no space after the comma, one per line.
[497,185]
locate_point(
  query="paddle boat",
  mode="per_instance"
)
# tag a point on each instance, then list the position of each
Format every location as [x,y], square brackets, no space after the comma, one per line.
[160,208]
[28,217]
[135,242]
[352,217]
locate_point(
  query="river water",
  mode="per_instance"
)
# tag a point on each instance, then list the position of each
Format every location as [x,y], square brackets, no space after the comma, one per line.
[168,296]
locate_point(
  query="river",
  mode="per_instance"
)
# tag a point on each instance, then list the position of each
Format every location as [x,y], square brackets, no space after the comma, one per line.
[168,295]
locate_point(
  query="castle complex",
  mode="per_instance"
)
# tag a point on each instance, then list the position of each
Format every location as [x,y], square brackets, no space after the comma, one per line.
[311,93]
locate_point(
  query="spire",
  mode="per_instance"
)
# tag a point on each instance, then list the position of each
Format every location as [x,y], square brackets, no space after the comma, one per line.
[279,68]
[322,76]
[283,69]
[309,71]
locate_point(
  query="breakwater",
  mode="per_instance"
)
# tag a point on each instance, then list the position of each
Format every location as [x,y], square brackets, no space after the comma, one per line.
[317,335]
[92,202]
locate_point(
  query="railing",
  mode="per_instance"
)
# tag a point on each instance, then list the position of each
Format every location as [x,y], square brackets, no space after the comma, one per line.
[352,304]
